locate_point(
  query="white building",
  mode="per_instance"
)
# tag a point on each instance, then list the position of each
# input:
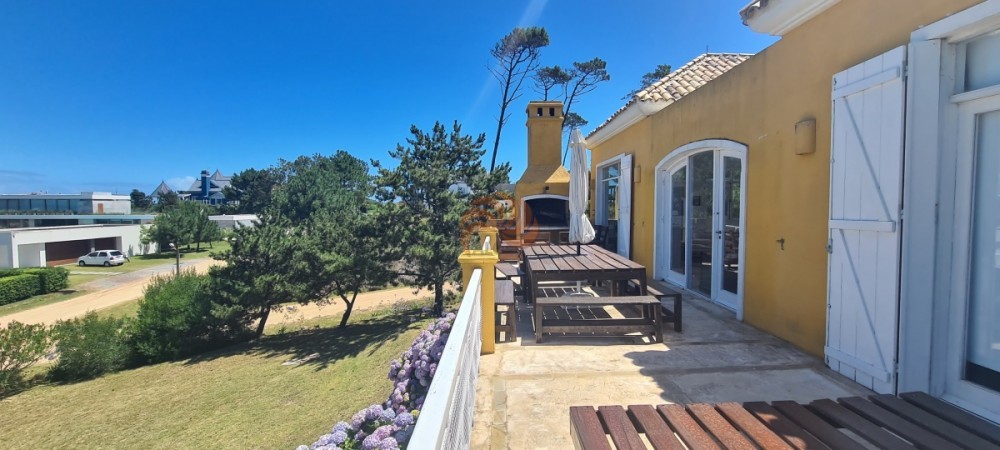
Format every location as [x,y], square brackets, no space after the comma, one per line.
[82,203]
[52,246]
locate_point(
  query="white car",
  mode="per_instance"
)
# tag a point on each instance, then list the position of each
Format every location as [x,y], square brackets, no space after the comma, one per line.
[104,258]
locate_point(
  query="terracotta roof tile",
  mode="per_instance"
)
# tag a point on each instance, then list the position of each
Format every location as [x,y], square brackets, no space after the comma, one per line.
[683,81]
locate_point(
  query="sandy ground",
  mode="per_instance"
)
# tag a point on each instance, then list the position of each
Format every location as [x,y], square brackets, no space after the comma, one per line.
[368,300]
[120,289]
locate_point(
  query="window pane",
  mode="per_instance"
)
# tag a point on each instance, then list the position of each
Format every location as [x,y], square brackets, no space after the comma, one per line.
[982,66]
[983,340]
[732,169]
[702,186]
[678,209]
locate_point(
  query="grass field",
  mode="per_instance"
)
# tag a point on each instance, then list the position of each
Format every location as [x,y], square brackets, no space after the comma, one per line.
[240,397]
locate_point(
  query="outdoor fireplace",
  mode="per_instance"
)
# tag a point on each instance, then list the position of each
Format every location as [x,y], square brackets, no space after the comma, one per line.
[545,212]
[541,194]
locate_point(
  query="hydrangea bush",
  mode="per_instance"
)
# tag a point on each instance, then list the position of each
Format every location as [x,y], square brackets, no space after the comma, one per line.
[389,426]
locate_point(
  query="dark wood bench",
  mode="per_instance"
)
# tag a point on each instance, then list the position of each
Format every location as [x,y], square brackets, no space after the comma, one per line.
[506,318]
[650,323]
[880,421]
[674,314]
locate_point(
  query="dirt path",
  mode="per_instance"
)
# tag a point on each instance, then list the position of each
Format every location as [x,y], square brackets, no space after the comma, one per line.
[113,290]
[365,301]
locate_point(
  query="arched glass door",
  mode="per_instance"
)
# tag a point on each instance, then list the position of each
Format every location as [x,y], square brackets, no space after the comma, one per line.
[700,226]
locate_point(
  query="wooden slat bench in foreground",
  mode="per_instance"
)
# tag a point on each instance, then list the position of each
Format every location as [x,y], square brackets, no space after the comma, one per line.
[648,324]
[913,420]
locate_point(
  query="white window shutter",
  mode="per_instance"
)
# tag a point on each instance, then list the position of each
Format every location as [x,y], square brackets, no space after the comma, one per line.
[866,161]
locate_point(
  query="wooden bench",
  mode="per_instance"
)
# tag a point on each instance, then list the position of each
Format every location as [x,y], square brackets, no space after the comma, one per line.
[881,421]
[506,319]
[650,323]
[675,314]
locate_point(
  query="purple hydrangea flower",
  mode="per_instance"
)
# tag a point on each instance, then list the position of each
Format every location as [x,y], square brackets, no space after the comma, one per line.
[403,420]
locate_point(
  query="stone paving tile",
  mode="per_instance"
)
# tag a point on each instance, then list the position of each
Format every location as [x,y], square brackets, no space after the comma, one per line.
[800,385]
[538,409]
[524,391]
[648,358]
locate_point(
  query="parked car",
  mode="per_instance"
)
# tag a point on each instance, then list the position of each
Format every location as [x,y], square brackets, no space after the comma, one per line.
[104,258]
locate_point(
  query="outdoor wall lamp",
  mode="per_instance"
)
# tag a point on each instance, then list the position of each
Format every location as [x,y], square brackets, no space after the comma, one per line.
[805,137]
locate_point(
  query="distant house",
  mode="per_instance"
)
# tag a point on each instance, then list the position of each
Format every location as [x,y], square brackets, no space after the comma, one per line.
[206,189]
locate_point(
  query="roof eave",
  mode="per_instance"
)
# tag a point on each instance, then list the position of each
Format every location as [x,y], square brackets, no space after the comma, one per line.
[777,17]
[632,113]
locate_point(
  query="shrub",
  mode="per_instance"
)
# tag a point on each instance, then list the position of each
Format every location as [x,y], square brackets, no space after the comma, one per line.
[9,272]
[390,426]
[20,346]
[90,346]
[176,319]
[51,279]
[411,374]
[18,287]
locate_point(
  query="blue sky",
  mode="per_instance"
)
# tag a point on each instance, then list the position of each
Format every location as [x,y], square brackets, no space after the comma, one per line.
[111,96]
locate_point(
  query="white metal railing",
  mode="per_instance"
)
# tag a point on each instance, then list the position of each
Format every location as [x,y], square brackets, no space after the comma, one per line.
[445,422]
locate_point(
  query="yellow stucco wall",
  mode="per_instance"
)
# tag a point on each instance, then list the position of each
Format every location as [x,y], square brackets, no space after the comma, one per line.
[758,104]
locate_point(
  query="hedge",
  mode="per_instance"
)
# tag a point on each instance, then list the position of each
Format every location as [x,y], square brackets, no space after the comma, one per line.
[51,279]
[19,287]
[9,272]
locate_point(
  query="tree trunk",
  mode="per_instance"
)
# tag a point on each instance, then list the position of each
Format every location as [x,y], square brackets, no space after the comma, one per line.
[439,298]
[263,321]
[347,311]
[198,247]
[504,102]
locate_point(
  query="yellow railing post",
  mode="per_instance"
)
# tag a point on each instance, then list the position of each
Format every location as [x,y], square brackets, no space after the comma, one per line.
[494,236]
[471,260]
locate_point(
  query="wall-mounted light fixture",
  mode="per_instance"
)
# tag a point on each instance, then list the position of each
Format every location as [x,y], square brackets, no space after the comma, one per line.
[805,137]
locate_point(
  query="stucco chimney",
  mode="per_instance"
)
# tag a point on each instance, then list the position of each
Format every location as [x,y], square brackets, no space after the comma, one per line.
[545,133]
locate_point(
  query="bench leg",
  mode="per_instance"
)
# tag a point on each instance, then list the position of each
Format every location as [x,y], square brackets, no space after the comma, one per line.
[658,320]
[678,313]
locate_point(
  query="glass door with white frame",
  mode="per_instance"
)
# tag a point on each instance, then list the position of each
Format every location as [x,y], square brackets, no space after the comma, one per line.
[608,210]
[728,232]
[700,230]
[974,367]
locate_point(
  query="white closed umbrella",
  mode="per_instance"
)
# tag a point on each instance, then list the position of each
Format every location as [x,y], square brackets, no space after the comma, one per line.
[580,230]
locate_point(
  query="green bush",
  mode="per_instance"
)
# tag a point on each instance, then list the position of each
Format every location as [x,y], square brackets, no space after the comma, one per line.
[20,346]
[90,346]
[18,287]
[9,272]
[51,279]
[176,319]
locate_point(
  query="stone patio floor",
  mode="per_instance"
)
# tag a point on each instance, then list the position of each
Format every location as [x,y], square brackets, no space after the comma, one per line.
[524,390]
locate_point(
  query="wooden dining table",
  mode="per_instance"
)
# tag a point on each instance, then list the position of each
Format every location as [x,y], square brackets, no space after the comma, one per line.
[563,263]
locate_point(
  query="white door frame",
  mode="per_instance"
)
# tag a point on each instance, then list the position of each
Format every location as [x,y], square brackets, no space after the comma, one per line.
[931,173]
[624,200]
[661,230]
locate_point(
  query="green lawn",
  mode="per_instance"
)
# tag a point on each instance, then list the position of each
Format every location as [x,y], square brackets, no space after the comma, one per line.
[240,397]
